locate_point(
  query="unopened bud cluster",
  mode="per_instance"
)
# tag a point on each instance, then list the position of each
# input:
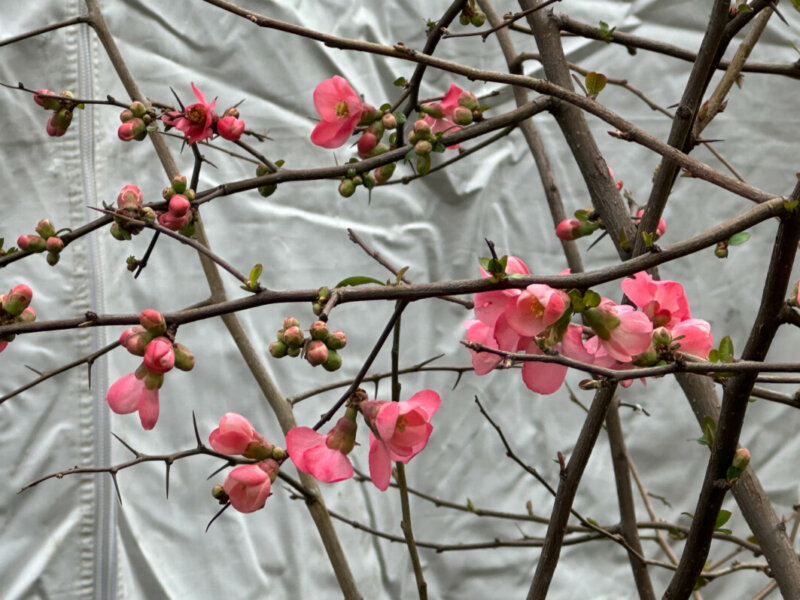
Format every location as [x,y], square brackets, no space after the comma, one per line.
[44,239]
[179,215]
[14,308]
[472,15]
[62,108]
[136,119]
[130,206]
[423,140]
[321,347]
[151,340]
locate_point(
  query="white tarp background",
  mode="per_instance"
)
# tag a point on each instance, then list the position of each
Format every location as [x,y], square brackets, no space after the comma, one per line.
[71,539]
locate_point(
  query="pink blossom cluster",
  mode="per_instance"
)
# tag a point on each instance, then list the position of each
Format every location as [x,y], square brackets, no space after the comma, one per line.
[536,320]
[199,122]
[14,308]
[59,121]
[457,108]
[398,432]
[44,239]
[138,391]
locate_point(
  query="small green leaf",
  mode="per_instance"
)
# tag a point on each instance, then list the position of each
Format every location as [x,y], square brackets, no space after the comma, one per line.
[358,280]
[713,356]
[607,35]
[790,205]
[733,474]
[744,8]
[737,239]
[676,534]
[439,147]
[592,521]
[576,298]
[409,156]
[591,299]
[401,273]
[700,583]
[722,518]
[595,82]
[255,272]
[648,239]
[401,81]
[400,117]
[280,163]
[726,349]
[393,138]
[623,240]
[470,505]
[582,215]
[709,428]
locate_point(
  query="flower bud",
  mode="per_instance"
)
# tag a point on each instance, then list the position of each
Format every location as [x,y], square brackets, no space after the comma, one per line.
[53,258]
[319,330]
[478,19]
[741,459]
[147,214]
[293,351]
[464,19]
[135,340]
[58,122]
[572,229]
[179,205]
[119,233]
[31,243]
[384,173]
[423,164]
[278,453]
[462,115]
[159,356]
[347,188]
[131,129]
[219,494]
[129,198]
[290,322]
[423,147]
[468,100]
[184,359]
[47,103]
[293,336]
[230,128]
[126,115]
[138,109]
[334,361]
[267,190]
[278,349]
[421,127]
[389,121]
[179,184]
[661,337]
[28,316]
[17,299]
[647,358]
[343,436]
[153,322]
[316,353]
[366,143]
[45,228]
[316,308]
[662,224]
[336,340]
[54,244]
[172,222]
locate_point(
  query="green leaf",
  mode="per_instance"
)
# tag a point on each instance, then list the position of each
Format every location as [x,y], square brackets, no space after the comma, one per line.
[582,215]
[733,473]
[409,156]
[595,82]
[648,239]
[401,81]
[623,240]
[722,518]
[255,272]
[401,273]
[700,583]
[726,349]
[709,428]
[470,505]
[745,8]
[358,280]
[790,205]
[400,117]
[676,534]
[385,106]
[713,356]
[280,163]
[591,299]
[576,297]
[439,147]
[737,239]
[607,35]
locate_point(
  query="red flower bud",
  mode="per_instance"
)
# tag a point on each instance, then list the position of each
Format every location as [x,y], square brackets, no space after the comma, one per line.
[230,128]
[153,322]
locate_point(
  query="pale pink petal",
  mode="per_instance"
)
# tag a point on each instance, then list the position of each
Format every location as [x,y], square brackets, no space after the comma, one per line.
[696,340]
[541,377]
[427,400]
[387,420]
[482,362]
[123,395]
[380,465]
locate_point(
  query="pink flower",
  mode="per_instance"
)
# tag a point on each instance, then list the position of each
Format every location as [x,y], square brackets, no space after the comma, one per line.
[490,305]
[248,486]
[535,309]
[664,302]
[233,435]
[402,429]
[619,183]
[129,394]
[159,355]
[696,337]
[195,121]
[230,128]
[323,456]
[623,331]
[340,109]
[130,197]
[3,346]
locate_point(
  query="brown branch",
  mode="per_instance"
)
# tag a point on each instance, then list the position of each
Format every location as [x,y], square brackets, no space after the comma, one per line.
[45,29]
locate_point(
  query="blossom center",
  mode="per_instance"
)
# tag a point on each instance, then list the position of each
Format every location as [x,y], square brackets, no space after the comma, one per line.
[341,110]
[196,115]
[537,308]
[402,423]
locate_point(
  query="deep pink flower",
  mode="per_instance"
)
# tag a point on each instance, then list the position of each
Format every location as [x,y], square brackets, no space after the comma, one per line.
[623,331]
[248,486]
[129,394]
[172,222]
[664,302]
[159,356]
[195,121]
[230,128]
[233,435]
[490,305]
[535,309]
[403,429]
[340,109]
[323,456]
